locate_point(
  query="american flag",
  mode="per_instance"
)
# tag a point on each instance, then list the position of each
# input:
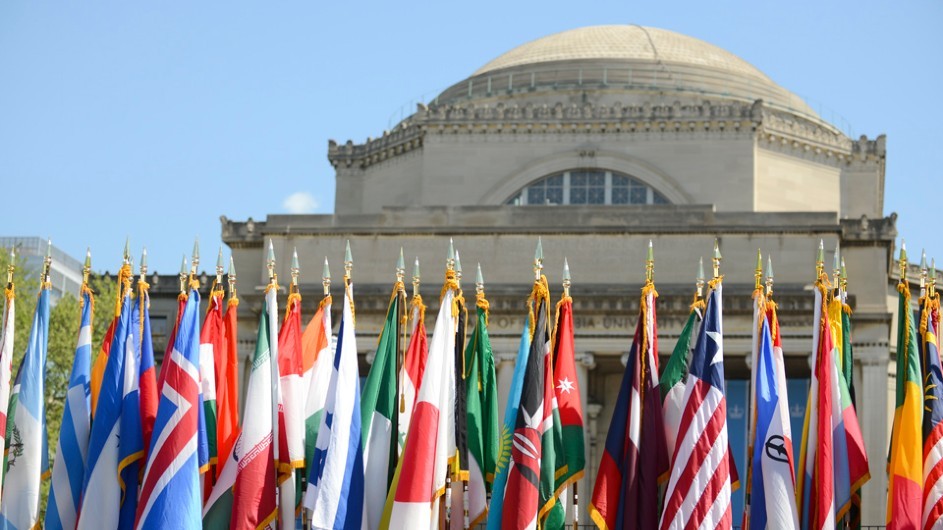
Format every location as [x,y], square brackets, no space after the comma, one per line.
[932,419]
[698,494]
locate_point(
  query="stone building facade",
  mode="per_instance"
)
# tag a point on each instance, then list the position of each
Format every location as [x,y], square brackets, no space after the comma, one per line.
[597,140]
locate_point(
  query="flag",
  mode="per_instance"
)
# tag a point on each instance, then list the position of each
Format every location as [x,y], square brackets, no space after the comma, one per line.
[319,364]
[244,494]
[28,456]
[759,315]
[551,513]
[6,368]
[101,360]
[832,461]
[905,463]
[150,399]
[335,492]
[211,347]
[482,402]
[254,503]
[699,487]
[170,491]
[290,410]
[116,441]
[675,375]
[378,408]
[522,492]
[413,501]
[635,458]
[414,364]
[933,416]
[171,338]
[68,472]
[846,363]
[567,393]
[773,487]
[502,467]
[227,385]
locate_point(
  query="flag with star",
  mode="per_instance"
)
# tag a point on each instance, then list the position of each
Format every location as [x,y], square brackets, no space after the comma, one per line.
[567,393]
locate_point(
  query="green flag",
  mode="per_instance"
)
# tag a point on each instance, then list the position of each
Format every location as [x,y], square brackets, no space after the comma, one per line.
[378,415]
[482,401]
[674,376]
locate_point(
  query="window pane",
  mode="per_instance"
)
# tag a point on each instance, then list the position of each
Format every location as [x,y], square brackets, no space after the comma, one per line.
[577,195]
[555,195]
[620,195]
[597,196]
[638,195]
[619,180]
[556,180]
[597,179]
[659,198]
[577,179]
[535,195]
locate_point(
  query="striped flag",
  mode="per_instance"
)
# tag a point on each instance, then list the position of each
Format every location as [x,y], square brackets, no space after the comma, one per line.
[482,400]
[170,491]
[101,360]
[28,455]
[68,472]
[378,415]
[211,347]
[496,508]
[846,364]
[6,367]
[773,488]
[291,411]
[413,501]
[522,493]
[336,485]
[414,364]
[318,360]
[635,459]
[227,385]
[699,488]
[118,416]
[933,417]
[244,494]
[551,512]
[171,338]
[905,469]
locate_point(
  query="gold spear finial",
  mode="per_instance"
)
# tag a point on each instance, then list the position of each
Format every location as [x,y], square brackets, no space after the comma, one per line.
[650,263]
[903,261]
[820,260]
[86,267]
[700,280]
[326,278]
[195,261]
[932,286]
[836,267]
[566,277]
[717,259]
[126,256]
[348,261]
[47,261]
[923,272]
[769,276]
[231,277]
[183,274]
[416,277]
[538,260]
[450,259]
[758,271]
[295,269]
[11,267]
[143,266]
[219,266]
[272,277]
[458,268]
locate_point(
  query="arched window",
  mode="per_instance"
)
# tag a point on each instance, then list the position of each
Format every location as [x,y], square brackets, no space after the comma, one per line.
[587,186]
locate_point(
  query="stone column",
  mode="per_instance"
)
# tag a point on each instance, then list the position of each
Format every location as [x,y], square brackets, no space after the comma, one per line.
[584,363]
[595,445]
[875,396]
[504,370]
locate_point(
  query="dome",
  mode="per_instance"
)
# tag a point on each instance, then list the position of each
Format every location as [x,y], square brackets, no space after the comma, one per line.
[624,59]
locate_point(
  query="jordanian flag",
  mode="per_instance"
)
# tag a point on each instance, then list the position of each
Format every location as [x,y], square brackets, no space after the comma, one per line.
[482,402]
[378,407]
[244,495]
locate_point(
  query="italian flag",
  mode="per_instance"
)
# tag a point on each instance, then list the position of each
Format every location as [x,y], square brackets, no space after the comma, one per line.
[482,400]
[244,495]
[378,407]
[290,410]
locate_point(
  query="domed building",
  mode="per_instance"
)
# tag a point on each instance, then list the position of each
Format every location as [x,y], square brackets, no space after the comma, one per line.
[597,140]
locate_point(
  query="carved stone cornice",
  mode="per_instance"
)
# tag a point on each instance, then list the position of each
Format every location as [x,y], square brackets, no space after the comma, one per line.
[774,127]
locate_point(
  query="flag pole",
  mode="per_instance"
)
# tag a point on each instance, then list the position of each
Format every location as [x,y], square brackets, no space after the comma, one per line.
[716,260]
[446,516]
[567,281]
[273,284]
[462,476]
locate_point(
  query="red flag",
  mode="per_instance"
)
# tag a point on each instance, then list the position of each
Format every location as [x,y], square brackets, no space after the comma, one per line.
[227,385]
[211,346]
[291,408]
[181,304]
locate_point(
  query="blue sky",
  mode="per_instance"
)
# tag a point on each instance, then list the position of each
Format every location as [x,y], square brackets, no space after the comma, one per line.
[150,120]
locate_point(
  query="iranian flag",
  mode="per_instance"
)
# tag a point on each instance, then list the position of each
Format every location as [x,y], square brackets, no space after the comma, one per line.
[317,360]
[244,495]
[414,364]
[482,400]
[378,407]
[290,410]
[413,501]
